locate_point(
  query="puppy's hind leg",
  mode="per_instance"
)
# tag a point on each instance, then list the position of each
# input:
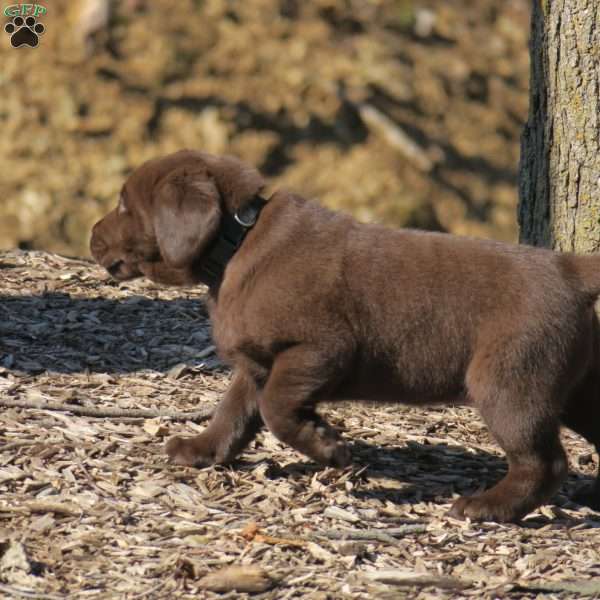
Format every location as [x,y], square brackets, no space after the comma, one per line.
[536,468]
[582,415]
[234,424]
[300,377]
[523,417]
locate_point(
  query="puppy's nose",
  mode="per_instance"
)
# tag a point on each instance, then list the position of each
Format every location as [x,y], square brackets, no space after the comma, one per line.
[113,269]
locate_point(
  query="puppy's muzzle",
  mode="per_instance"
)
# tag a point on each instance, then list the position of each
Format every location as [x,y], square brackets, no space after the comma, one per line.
[115,267]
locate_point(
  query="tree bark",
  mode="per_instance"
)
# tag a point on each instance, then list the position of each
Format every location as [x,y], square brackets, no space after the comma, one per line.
[559,173]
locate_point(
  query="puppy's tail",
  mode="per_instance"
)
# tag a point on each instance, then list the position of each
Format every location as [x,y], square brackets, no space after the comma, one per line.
[587,271]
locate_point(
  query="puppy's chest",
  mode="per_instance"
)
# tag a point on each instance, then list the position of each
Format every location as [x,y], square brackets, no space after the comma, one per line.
[249,355]
[239,338]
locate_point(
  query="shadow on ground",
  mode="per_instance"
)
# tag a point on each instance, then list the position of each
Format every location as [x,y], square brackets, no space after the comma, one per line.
[56,332]
[419,472]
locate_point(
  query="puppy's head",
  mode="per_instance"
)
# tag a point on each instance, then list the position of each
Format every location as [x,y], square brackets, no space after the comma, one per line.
[169,212]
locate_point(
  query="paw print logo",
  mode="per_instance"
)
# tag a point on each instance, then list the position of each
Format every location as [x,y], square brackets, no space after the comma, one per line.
[24,32]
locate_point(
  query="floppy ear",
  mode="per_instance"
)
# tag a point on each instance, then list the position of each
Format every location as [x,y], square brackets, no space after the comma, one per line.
[187,214]
[236,181]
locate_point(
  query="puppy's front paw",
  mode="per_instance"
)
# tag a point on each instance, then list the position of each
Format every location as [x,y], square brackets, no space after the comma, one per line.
[337,454]
[190,452]
[480,508]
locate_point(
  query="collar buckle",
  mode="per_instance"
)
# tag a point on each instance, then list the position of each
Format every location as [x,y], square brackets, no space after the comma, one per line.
[232,233]
[246,220]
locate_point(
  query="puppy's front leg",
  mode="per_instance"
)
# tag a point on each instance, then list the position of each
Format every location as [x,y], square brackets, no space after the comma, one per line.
[299,378]
[233,426]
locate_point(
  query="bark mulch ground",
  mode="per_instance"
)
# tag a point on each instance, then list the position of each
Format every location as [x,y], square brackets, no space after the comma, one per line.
[94,375]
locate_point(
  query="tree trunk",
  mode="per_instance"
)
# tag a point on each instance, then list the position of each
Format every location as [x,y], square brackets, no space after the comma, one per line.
[559,174]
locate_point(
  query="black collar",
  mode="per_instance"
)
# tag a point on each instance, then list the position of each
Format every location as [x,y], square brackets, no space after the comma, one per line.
[232,232]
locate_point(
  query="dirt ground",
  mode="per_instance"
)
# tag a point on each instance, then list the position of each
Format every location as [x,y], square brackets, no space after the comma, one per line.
[89,508]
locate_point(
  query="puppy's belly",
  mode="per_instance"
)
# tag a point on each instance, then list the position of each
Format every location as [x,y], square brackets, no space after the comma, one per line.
[459,399]
[378,389]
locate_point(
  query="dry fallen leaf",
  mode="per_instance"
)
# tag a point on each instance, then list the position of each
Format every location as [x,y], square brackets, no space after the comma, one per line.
[15,558]
[242,578]
[250,530]
[146,489]
[155,427]
[15,565]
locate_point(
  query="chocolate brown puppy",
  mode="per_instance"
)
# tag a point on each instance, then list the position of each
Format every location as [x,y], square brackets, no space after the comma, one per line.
[309,305]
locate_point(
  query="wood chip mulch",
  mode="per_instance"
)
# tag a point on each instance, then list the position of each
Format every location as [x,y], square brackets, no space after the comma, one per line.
[89,507]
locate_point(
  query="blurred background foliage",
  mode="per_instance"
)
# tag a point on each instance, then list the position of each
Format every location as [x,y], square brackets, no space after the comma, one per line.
[405,112]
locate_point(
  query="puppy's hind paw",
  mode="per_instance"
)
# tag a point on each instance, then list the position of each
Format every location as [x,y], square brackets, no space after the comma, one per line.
[189,452]
[338,455]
